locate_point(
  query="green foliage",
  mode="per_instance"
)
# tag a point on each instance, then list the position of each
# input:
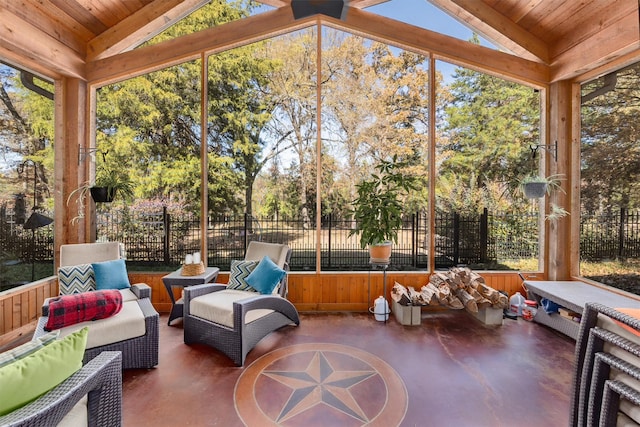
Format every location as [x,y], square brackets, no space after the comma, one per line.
[490,124]
[378,208]
[610,152]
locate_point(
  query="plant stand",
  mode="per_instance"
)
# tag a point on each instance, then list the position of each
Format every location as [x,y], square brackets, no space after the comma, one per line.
[375,266]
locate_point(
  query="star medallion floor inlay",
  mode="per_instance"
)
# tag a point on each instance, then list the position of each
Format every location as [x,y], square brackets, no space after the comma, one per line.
[320,384]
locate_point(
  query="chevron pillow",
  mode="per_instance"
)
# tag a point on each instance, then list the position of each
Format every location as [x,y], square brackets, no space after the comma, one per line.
[75,279]
[238,273]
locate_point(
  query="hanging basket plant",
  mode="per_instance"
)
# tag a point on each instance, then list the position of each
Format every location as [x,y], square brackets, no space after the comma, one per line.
[535,186]
[102,194]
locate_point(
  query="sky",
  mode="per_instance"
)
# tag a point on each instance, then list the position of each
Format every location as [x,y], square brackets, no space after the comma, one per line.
[423,14]
[420,13]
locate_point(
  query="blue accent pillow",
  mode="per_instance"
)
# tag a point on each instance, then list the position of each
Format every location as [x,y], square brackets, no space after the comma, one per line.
[266,276]
[111,275]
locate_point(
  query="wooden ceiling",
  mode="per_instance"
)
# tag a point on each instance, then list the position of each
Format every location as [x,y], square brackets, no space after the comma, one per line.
[546,40]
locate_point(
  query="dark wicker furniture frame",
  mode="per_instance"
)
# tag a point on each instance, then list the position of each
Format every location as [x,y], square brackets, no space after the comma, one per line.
[595,398]
[138,352]
[236,342]
[101,379]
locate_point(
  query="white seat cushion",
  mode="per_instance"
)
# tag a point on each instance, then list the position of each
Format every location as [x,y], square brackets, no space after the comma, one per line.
[127,324]
[217,307]
[128,295]
[77,416]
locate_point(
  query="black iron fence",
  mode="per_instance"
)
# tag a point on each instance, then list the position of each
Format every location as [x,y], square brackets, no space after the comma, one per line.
[483,240]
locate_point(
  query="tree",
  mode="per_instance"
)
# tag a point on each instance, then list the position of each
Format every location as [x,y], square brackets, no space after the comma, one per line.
[489,126]
[610,142]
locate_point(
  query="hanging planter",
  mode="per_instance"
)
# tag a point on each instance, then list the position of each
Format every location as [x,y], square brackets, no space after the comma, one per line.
[535,186]
[102,194]
[534,190]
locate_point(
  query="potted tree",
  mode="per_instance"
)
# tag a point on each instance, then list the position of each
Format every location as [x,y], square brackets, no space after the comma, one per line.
[378,208]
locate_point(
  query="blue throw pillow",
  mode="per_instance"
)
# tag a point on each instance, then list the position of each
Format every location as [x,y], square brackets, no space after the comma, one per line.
[111,275]
[266,276]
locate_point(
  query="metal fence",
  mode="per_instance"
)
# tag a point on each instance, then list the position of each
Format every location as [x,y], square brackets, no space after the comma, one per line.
[481,241]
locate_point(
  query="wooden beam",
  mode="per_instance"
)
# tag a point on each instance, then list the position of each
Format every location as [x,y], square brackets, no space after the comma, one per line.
[450,49]
[49,19]
[36,47]
[496,27]
[361,4]
[152,19]
[191,46]
[617,40]
[276,3]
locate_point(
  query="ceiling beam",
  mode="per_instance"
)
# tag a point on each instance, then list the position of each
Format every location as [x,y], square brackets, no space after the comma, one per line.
[37,48]
[361,4]
[617,40]
[275,3]
[279,21]
[496,28]
[450,49]
[192,46]
[139,27]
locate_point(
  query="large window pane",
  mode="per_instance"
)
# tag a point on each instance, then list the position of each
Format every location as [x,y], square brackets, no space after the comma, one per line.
[26,177]
[610,184]
[148,131]
[486,126]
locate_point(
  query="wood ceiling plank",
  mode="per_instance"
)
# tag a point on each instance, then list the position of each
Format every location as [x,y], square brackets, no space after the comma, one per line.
[543,9]
[140,27]
[518,9]
[599,15]
[81,15]
[51,20]
[616,40]
[496,27]
[444,47]
[109,12]
[192,46]
[36,46]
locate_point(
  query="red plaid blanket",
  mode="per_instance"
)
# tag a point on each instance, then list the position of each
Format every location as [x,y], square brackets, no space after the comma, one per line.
[68,310]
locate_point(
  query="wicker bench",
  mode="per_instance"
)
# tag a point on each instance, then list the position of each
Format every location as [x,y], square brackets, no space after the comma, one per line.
[574,295]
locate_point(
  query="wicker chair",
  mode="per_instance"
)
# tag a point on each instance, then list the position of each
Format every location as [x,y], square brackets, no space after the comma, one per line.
[100,380]
[237,340]
[606,381]
[138,352]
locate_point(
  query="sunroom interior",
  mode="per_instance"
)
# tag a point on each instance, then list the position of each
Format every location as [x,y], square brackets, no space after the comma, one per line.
[552,46]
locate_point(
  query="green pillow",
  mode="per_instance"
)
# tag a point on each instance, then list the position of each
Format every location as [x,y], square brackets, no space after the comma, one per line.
[27,348]
[24,380]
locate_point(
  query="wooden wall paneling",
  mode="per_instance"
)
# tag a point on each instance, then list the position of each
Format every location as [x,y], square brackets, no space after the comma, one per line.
[20,308]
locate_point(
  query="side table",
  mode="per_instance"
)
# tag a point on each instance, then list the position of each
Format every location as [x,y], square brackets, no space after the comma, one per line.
[177,279]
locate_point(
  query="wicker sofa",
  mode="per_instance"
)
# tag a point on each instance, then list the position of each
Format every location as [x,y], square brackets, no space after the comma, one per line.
[139,351]
[100,380]
[606,381]
[253,316]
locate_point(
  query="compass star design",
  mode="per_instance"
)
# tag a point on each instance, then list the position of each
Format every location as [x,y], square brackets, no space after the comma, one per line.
[317,384]
[321,383]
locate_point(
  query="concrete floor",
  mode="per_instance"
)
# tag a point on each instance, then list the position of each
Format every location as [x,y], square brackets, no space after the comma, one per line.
[347,369]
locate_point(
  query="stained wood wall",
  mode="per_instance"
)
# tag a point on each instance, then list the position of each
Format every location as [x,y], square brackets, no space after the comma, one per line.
[20,307]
